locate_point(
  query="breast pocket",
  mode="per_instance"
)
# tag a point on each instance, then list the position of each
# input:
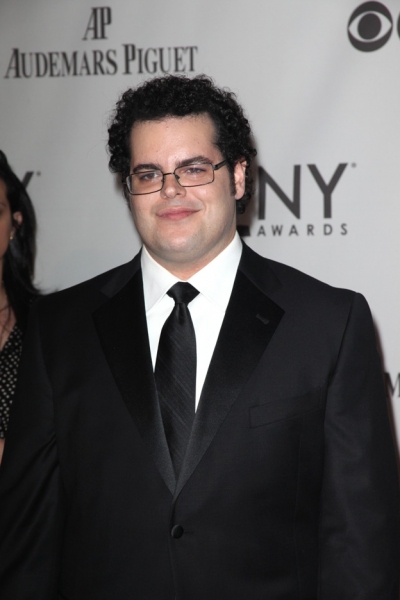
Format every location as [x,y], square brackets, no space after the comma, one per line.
[285,408]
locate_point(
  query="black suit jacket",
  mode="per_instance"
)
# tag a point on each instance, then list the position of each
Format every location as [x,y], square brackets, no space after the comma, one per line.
[289,486]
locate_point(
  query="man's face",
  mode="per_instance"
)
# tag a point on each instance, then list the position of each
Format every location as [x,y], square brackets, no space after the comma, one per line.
[183,228]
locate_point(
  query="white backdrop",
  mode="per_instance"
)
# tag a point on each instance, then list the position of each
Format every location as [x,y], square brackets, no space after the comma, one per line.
[317,96]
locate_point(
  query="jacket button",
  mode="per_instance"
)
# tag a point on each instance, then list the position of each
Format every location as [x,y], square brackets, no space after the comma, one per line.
[177,531]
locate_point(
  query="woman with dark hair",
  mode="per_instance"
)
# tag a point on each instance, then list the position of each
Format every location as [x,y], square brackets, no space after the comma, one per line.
[17,251]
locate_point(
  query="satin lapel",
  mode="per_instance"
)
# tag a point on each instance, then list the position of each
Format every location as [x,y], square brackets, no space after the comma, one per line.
[122,330]
[250,322]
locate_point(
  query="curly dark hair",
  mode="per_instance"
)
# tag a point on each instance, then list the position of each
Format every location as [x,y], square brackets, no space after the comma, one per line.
[180,96]
[18,261]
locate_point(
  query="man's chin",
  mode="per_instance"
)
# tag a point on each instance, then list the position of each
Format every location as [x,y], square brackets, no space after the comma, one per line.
[180,251]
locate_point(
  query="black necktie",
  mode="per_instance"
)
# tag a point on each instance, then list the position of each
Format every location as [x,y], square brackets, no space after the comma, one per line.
[175,373]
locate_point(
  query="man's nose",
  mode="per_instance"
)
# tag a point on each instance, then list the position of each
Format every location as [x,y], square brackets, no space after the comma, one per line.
[172,187]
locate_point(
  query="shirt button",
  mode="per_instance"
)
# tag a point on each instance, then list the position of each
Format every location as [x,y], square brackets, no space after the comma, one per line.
[177,531]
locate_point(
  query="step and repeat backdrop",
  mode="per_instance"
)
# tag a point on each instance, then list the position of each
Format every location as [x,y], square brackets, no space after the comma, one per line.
[320,84]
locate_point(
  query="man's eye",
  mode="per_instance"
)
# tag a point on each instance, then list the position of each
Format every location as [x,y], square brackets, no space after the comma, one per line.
[148,176]
[195,170]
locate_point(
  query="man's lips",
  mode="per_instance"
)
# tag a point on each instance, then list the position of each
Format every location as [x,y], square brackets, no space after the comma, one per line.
[176,213]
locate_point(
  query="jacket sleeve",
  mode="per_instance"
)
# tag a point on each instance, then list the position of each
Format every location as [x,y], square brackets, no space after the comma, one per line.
[31,497]
[359,518]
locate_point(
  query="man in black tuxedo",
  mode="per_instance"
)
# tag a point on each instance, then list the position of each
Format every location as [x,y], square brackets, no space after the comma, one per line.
[200,423]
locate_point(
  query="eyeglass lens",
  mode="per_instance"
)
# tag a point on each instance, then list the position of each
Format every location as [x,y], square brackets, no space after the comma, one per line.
[146,182]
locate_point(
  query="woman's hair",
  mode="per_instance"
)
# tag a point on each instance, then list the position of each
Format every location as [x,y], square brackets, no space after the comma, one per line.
[180,96]
[18,261]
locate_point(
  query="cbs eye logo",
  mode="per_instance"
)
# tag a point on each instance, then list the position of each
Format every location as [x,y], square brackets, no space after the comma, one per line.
[370,26]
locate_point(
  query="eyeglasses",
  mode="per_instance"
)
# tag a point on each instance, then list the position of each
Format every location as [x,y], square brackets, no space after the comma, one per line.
[147,182]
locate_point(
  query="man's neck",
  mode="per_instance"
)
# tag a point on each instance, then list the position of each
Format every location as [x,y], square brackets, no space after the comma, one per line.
[186,270]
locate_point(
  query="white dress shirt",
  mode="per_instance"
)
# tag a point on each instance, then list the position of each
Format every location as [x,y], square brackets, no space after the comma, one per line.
[214,283]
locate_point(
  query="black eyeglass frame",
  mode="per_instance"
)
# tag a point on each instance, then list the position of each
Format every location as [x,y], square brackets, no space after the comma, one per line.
[214,168]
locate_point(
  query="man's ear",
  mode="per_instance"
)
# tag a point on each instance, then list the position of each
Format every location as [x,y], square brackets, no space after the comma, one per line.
[239,177]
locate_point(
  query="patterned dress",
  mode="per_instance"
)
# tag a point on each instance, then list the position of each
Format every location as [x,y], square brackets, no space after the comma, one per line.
[9,360]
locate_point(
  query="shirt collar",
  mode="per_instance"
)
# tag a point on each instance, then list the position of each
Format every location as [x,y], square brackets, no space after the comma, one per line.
[214,281]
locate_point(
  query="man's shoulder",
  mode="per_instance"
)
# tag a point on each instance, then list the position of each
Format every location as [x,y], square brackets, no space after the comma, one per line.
[288,285]
[91,292]
[291,276]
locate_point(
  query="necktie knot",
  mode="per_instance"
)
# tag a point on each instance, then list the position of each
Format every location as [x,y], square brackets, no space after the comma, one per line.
[182,292]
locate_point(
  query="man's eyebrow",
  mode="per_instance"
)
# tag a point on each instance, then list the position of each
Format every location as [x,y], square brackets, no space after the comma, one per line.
[182,163]
[146,167]
[193,159]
